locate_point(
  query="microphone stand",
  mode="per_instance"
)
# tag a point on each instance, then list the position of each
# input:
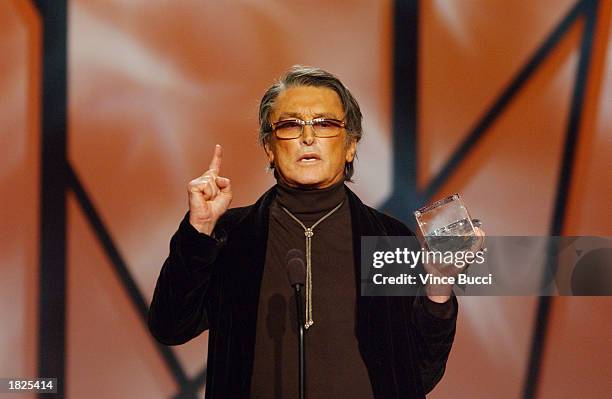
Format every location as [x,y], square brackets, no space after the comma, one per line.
[296,271]
[301,358]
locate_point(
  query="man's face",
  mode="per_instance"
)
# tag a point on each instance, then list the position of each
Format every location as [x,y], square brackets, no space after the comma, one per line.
[309,161]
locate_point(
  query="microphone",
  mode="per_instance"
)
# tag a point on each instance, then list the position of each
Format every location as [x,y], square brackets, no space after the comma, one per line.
[296,271]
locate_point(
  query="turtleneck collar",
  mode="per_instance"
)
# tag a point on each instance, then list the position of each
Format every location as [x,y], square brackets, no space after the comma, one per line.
[309,201]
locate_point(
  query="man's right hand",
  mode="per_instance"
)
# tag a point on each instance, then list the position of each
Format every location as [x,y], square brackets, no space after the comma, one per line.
[209,196]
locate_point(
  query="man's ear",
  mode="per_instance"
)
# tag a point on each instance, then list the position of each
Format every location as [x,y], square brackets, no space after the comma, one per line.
[351,149]
[269,152]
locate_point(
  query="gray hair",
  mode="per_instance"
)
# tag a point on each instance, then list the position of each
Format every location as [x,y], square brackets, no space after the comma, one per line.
[299,75]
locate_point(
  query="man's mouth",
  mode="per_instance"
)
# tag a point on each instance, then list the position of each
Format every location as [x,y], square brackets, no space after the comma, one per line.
[309,157]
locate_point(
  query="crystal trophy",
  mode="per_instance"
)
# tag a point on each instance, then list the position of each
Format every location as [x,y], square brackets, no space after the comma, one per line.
[446,225]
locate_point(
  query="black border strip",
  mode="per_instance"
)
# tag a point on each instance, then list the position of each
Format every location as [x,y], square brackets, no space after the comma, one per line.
[52,277]
[563,186]
[190,390]
[575,117]
[404,196]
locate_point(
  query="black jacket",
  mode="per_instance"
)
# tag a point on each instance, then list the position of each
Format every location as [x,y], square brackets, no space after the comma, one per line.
[213,284]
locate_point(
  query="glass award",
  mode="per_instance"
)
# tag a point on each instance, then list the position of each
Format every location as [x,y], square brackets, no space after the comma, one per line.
[446,225]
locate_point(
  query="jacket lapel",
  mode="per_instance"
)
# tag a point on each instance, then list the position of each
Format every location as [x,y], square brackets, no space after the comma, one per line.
[372,319]
[249,254]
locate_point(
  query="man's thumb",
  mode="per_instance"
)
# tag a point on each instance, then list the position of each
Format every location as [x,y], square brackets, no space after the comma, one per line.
[223,183]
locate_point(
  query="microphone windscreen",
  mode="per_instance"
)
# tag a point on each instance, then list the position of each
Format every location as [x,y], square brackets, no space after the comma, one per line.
[294,253]
[296,271]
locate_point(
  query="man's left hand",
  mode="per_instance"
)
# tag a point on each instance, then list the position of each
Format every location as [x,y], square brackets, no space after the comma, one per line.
[441,293]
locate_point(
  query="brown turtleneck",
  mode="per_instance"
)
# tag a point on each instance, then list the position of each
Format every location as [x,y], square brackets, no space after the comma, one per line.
[334,367]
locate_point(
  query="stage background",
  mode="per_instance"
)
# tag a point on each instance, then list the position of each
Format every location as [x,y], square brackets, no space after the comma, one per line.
[153,85]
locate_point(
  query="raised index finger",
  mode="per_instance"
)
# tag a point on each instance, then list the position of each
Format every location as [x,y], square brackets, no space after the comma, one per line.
[216,160]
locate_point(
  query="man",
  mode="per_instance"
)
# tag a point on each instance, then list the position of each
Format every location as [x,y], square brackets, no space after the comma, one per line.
[226,269]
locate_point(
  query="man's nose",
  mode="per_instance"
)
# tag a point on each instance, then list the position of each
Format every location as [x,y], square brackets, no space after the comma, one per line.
[308,135]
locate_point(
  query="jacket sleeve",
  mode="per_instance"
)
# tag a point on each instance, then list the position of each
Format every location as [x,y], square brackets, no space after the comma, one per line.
[434,333]
[434,329]
[179,309]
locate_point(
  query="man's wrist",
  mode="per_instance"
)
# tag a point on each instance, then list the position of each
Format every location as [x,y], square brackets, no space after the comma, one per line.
[206,227]
[439,298]
[439,293]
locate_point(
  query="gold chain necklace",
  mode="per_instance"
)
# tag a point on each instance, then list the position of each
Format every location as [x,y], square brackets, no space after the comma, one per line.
[309,232]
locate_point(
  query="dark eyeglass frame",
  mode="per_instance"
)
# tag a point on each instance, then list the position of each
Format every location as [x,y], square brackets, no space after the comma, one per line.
[279,124]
